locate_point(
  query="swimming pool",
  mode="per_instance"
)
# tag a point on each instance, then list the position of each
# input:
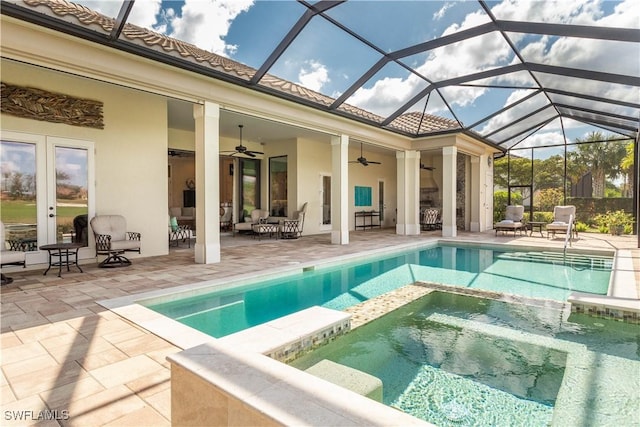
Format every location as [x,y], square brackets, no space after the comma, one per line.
[549,275]
[457,360]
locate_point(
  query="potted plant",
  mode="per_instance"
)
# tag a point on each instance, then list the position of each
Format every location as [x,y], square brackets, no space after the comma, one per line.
[617,222]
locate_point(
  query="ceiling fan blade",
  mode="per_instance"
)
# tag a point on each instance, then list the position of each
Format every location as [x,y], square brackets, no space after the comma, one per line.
[249,153]
[254,152]
[373,163]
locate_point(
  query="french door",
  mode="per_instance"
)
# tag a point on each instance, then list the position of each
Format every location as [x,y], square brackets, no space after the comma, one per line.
[47,196]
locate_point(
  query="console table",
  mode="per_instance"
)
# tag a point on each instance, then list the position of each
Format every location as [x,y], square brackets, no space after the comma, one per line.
[61,252]
[368,219]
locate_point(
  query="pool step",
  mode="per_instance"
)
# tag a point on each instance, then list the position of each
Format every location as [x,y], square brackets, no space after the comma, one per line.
[350,378]
[595,262]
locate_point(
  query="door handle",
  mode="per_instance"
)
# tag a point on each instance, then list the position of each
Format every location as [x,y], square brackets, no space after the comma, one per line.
[51,215]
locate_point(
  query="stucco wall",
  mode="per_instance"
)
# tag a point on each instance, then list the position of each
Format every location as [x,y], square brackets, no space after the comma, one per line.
[131,150]
[369,176]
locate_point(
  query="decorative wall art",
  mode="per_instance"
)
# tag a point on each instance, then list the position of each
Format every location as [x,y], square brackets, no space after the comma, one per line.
[37,104]
[363,196]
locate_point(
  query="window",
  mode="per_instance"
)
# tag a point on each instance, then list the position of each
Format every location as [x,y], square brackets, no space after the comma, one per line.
[278,186]
[249,186]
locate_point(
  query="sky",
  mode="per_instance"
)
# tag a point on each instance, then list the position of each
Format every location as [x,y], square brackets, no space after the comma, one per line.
[329,60]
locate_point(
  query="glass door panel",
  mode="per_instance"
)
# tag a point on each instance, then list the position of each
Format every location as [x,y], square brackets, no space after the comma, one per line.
[381,203]
[19,211]
[249,187]
[71,195]
[326,200]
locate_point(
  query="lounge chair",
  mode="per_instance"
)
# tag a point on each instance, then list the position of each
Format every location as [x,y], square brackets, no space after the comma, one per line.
[113,240]
[563,221]
[513,220]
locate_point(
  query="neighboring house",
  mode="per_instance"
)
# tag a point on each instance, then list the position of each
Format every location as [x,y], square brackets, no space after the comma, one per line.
[136,109]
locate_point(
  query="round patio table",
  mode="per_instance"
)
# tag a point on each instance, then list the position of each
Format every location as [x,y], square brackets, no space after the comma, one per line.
[59,256]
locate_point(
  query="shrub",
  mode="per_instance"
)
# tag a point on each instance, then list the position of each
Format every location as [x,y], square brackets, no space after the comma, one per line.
[543,216]
[549,197]
[616,222]
[581,227]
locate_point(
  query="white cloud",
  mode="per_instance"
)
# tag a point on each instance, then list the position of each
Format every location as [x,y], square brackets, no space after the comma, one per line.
[545,137]
[313,75]
[206,23]
[490,51]
[440,13]
[143,13]
[516,112]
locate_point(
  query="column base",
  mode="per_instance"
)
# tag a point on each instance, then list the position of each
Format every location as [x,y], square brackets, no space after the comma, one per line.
[207,254]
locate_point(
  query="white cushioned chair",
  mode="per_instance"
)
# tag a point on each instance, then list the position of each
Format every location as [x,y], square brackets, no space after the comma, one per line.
[256,216]
[513,220]
[113,240]
[292,228]
[9,257]
[184,215]
[179,233]
[564,220]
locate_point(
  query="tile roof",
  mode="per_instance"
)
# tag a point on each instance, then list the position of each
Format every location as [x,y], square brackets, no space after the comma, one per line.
[410,123]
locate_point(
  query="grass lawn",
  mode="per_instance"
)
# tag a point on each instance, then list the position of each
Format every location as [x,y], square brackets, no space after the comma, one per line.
[25,212]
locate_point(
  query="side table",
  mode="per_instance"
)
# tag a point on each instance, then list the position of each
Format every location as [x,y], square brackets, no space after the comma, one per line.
[536,226]
[59,255]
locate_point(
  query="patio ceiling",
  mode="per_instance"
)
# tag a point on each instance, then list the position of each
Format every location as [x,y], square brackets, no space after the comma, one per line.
[511,74]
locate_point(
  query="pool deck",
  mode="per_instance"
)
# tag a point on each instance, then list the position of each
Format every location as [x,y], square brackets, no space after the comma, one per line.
[63,351]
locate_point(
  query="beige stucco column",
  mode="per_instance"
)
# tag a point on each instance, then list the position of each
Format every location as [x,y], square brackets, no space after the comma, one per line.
[449,171]
[207,121]
[475,194]
[479,192]
[339,190]
[408,191]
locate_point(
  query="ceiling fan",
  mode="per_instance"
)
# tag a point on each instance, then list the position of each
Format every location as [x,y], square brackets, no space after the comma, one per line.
[180,153]
[425,167]
[363,161]
[241,149]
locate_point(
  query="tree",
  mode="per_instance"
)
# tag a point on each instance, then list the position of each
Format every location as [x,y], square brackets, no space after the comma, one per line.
[602,158]
[627,168]
[549,197]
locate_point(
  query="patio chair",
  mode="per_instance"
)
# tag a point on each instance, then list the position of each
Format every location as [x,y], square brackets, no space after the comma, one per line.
[178,233]
[248,223]
[513,220]
[113,240]
[293,227]
[9,257]
[430,219]
[225,218]
[563,221]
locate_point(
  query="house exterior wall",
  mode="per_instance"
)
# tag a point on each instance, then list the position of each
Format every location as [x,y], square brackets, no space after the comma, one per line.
[131,150]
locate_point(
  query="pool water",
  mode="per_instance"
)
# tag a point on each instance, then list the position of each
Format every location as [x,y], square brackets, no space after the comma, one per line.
[534,274]
[456,360]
